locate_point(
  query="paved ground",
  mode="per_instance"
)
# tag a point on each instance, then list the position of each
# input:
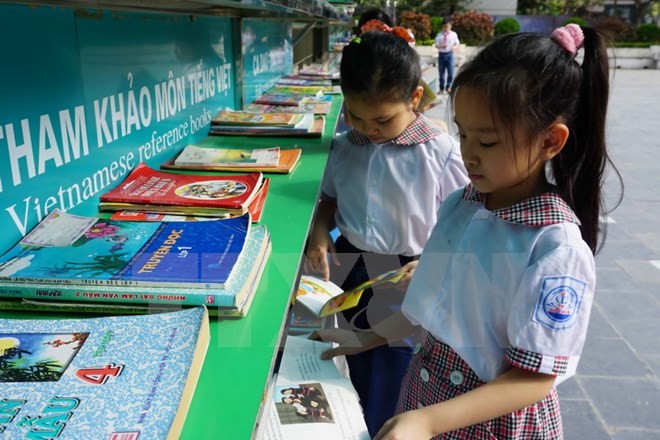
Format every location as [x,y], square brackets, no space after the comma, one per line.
[616,393]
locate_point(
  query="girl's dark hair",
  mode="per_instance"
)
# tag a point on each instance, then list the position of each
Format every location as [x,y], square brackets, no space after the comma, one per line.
[529,82]
[373,14]
[379,67]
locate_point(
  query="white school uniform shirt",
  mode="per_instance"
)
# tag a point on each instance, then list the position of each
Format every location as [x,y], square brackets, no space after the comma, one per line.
[506,287]
[388,194]
[450,39]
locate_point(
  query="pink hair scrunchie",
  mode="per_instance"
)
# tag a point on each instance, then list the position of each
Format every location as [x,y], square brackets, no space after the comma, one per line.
[570,37]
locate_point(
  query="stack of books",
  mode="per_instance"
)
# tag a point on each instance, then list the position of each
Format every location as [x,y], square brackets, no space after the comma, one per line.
[90,264]
[301,80]
[216,158]
[319,71]
[148,190]
[251,123]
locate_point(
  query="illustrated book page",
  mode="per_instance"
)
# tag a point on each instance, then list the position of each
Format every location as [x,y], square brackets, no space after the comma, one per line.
[324,298]
[311,398]
[118,377]
[69,249]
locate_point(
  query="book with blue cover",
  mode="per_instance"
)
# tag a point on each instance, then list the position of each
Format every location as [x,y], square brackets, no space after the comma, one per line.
[118,377]
[232,301]
[70,249]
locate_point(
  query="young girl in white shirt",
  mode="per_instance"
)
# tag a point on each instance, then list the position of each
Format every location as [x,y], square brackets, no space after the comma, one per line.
[384,182]
[504,287]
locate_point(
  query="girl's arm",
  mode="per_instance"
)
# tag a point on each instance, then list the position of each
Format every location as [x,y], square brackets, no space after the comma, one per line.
[510,391]
[393,328]
[320,241]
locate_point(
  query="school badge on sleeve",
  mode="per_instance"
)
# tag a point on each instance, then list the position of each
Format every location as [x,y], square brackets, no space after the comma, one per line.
[559,302]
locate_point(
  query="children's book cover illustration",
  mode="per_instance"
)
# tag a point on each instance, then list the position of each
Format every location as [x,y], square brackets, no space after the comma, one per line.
[119,377]
[145,187]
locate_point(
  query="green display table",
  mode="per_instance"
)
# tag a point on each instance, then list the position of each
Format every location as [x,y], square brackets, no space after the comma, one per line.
[240,359]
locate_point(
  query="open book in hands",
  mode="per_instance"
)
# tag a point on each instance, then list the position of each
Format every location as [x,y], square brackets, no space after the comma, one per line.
[311,398]
[324,298]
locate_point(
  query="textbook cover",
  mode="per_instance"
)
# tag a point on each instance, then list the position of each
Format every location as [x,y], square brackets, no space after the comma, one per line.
[118,377]
[70,249]
[231,300]
[147,189]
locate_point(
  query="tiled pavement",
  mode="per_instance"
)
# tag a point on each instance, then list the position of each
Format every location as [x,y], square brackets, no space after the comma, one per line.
[616,393]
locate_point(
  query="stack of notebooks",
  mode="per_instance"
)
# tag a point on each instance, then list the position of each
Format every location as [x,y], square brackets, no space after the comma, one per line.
[89,264]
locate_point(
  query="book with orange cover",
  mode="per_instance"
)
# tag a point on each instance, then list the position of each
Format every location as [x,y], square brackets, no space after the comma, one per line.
[223,159]
[146,189]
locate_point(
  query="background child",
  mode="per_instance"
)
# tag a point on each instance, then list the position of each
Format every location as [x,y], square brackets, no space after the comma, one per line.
[383,184]
[446,41]
[505,284]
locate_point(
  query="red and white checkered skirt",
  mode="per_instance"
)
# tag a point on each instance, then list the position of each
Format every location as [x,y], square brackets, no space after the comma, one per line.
[436,373]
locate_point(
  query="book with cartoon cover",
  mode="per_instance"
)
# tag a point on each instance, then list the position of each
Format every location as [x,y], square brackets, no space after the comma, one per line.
[147,189]
[117,377]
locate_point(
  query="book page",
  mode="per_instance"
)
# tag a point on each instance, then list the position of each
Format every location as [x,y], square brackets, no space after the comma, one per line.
[311,399]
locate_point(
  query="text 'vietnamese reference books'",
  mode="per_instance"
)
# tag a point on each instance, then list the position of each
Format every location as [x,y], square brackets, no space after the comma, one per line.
[71,249]
[311,398]
[324,298]
[85,271]
[265,160]
[119,377]
[146,189]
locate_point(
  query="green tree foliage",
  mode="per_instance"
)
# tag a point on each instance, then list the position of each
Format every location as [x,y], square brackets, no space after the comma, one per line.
[576,20]
[507,25]
[474,28]
[436,25]
[420,24]
[649,32]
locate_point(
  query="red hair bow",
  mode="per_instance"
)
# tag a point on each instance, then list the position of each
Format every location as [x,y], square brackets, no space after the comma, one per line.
[377,25]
